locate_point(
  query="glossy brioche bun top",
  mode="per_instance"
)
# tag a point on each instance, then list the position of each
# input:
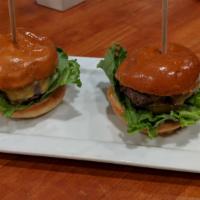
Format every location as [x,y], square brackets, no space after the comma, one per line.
[32,58]
[149,71]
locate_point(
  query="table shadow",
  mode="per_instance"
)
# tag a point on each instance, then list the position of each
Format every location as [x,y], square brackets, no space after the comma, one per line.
[100,169]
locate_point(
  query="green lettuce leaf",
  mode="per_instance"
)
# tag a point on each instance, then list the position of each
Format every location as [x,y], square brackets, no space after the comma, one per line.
[141,119]
[113,58]
[67,72]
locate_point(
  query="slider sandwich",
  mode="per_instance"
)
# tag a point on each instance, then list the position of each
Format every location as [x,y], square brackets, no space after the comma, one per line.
[33,75]
[154,93]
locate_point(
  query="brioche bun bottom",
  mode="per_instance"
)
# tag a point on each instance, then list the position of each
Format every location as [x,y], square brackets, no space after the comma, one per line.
[42,107]
[163,130]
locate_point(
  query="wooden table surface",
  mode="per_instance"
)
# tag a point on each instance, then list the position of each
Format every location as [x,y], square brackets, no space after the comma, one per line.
[87,30]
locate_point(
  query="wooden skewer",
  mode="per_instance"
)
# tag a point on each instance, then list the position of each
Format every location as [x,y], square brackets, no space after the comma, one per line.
[11,7]
[164,26]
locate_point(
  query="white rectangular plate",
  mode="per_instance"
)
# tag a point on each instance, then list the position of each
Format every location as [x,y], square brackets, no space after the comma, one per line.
[84,127]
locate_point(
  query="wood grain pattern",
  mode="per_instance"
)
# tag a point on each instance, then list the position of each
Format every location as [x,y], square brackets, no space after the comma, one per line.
[87,30]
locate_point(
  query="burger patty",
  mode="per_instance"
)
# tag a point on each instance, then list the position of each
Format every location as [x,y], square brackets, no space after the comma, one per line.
[153,102]
[139,99]
[27,93]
